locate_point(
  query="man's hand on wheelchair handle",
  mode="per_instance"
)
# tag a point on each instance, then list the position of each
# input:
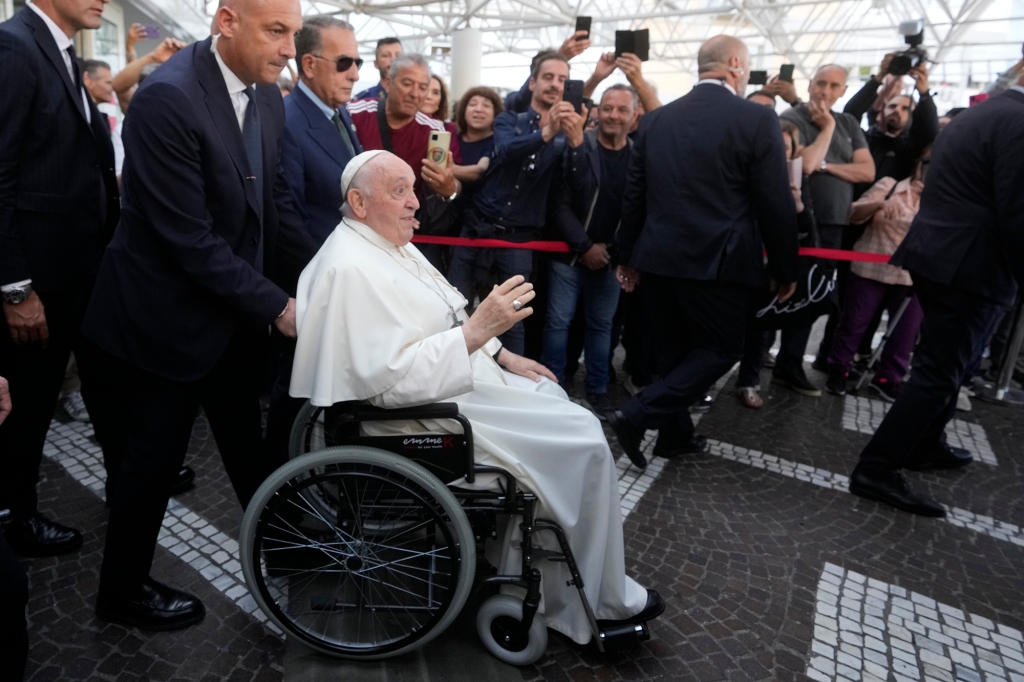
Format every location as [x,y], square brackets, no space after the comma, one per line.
[524,367]
[497,313]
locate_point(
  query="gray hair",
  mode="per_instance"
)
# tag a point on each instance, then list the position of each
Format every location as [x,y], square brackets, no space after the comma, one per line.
[309,39]
[405,61]
[829,67]
[622,87]
[92,67]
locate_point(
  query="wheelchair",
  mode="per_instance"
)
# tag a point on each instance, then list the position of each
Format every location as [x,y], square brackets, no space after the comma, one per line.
[362,547]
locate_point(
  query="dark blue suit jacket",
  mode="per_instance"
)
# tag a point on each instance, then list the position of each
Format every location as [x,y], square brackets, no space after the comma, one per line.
[178,279]
[58,191]
[707,187]
[313,156]
[969,232]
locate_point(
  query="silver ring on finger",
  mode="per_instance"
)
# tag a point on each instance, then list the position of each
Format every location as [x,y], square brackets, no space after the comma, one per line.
[517,305]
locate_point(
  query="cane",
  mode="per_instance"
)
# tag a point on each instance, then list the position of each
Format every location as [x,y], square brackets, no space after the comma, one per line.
[889,328]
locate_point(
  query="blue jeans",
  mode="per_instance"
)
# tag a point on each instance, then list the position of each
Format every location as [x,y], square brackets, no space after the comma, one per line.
[600,292]
[470,265]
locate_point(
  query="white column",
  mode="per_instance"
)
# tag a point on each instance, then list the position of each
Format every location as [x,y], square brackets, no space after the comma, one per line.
[467,52]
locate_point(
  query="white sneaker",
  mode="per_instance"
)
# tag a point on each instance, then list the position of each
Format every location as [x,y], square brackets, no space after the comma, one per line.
[963,400]
[75,407]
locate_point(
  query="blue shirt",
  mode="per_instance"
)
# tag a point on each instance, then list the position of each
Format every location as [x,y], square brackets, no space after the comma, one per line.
[328,112]
[528,174]
[376,92]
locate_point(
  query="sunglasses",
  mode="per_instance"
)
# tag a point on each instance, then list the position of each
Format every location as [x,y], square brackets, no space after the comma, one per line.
[344,63]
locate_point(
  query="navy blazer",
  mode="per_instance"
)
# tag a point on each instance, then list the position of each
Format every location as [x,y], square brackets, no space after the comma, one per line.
[709,190]
[178,279]
[969,232]
[314,156]
[58,190]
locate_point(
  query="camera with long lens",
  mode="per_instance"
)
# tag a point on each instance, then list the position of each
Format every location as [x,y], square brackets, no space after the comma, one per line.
[913,35]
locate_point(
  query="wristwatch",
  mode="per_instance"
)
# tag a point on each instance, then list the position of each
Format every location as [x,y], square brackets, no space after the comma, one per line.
[17,294]
[824,165]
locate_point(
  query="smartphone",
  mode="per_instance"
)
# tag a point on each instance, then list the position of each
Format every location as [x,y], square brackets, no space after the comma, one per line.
[583,24]
[758,77]
[633,42]
[437,147]
[152,32]
[574,94]
[786,73]
[796,171]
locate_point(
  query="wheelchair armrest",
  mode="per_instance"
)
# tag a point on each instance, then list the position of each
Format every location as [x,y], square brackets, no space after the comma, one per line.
[432,411]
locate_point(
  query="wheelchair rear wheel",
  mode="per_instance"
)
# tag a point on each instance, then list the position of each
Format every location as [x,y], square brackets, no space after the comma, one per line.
[357,552]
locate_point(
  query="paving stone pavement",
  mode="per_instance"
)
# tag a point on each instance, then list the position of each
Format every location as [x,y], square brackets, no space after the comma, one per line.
[738,551]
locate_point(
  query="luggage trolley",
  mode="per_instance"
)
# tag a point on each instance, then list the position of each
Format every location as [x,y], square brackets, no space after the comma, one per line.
[362,546]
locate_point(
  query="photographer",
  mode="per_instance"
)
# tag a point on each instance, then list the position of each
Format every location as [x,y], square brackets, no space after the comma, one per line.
[901,130]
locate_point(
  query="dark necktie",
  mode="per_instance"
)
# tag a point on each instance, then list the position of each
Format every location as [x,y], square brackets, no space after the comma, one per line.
[252,133]
[74,68]
[340,125]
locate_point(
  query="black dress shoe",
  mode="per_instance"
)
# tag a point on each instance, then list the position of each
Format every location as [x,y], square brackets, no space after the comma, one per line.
[946,457]
[674,449]
[629,437]
[36,536]
[158,608]
[185,480]
[655,607]
[895,491]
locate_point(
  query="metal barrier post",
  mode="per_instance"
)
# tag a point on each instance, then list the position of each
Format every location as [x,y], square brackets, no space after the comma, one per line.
[1001,392]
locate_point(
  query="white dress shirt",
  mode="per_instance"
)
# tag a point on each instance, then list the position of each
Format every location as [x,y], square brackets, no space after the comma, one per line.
[63,43]
[716,81]
[236,88]
[1018,88]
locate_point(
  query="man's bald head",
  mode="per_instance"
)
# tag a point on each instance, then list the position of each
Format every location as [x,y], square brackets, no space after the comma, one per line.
[382,196]
[256,38]
[717,52]
[726,58]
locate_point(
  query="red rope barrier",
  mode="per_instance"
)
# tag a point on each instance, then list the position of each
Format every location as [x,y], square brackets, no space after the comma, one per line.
[562,247]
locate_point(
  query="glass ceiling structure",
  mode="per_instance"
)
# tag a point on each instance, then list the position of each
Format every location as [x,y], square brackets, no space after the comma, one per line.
[969,41]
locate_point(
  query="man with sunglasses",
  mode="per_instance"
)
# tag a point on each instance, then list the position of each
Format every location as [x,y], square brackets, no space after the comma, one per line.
[320,137]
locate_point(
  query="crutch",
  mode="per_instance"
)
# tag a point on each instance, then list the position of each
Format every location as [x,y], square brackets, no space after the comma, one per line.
[889,328]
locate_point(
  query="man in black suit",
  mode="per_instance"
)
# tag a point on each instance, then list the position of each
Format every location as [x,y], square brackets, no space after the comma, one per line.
[965,251]
[209,246]
[708,188]
[58,208]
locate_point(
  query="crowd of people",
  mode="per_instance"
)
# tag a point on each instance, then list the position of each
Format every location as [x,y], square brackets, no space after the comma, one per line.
[167,264]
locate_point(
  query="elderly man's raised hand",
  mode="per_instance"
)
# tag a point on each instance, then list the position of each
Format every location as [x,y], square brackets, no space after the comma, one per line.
[497,313]
[441,180]
[572,47]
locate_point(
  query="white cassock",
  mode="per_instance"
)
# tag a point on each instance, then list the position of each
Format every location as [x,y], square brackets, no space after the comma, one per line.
[375,324]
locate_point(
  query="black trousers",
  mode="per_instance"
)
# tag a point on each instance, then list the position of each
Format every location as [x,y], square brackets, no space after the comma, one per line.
[700,328]
[957,324]
[147,422]
[36,375]
[13,628]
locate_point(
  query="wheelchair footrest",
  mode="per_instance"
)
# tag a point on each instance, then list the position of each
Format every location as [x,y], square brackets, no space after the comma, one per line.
[625,636]
[550,555]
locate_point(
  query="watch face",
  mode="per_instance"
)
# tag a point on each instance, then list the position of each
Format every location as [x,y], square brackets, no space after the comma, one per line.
[15,296]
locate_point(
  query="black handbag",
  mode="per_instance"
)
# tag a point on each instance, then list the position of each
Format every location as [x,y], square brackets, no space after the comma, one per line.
[815,295]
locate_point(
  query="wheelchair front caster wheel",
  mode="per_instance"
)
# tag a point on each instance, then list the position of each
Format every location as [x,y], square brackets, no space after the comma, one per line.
[497,623]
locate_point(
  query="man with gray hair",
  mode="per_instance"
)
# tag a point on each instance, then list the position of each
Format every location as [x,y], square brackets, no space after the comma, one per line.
[397,125]
[836,157]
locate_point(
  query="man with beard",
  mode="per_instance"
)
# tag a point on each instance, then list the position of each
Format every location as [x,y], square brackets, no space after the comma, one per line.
[902,129]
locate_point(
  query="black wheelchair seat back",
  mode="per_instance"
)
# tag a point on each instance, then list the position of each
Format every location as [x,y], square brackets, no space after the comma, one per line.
[449,456]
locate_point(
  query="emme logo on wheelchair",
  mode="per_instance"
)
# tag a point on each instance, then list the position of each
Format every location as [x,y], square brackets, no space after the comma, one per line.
[362,547]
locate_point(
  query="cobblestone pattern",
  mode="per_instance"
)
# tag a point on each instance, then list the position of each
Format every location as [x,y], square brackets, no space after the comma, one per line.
[866,414]
[67,641]
[866,629]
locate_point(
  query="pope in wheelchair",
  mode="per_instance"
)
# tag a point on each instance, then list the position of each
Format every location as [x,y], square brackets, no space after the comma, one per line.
[382,338]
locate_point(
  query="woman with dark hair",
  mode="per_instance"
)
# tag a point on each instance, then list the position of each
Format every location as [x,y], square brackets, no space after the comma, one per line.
[474,116]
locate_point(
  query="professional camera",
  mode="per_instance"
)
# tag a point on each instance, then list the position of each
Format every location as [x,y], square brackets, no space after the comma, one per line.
[913,35]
